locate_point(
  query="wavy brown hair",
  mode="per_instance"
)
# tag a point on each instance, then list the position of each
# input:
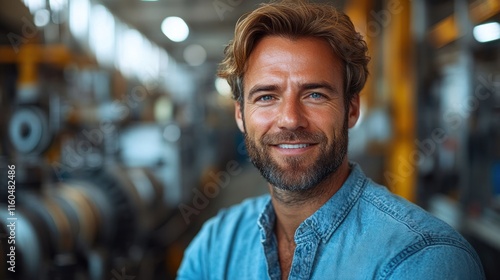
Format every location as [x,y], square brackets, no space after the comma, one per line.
[297,19]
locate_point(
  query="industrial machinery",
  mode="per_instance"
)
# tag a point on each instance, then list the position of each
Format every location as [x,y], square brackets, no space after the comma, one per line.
[86,205]
[99,145]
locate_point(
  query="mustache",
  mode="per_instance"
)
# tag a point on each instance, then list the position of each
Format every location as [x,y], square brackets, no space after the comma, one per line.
[293,136]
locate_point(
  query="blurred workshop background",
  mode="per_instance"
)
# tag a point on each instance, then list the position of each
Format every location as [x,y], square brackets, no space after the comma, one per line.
[124,141]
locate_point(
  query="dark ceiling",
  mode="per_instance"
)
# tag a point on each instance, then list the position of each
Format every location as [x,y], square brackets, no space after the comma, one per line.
[12,14]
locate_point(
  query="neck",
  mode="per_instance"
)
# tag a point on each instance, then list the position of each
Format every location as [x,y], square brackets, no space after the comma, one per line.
[292,208]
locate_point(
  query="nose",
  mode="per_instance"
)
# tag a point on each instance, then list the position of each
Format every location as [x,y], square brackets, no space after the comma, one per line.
[291,115]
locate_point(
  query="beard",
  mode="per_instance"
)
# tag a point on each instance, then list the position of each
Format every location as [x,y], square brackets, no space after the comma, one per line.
[297,174]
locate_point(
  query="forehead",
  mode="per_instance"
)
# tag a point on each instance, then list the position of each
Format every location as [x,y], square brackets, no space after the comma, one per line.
[301,59]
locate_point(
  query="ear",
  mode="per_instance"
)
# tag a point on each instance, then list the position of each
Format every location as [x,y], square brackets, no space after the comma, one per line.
[353,110]
[238,116]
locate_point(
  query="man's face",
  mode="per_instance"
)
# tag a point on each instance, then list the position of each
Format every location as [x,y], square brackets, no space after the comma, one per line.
[294,117]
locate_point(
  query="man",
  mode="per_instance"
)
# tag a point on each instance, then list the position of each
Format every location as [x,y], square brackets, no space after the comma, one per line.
[296,70]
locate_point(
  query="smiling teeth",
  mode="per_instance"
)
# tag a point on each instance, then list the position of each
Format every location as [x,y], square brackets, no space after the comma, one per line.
[293,146]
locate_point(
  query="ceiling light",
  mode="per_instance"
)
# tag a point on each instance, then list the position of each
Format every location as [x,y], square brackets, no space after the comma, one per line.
[79,12]
[102,35]
[195,55]
[34,5]
[57,5]
[487,32]
[222,87]
[41,17]
[175,28]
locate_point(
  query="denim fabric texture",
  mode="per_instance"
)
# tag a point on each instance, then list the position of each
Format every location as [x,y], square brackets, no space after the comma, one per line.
[362,232]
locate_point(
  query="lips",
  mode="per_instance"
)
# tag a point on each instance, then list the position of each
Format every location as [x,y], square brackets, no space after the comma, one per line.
[293,141]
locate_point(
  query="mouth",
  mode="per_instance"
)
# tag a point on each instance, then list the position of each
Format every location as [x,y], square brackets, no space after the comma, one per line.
[293,149]
[293,146]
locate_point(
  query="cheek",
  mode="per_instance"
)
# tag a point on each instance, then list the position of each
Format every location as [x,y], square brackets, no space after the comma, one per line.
[330,121]
[258,121]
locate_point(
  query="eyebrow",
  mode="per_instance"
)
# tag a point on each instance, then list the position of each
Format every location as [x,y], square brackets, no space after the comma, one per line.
[258,88]
[306,86]
[324,85]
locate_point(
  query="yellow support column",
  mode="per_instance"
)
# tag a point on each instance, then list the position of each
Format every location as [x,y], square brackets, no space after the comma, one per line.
[358,11]
[398,67]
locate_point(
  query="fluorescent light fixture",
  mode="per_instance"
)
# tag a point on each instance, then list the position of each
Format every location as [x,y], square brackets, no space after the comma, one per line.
[58,5]
[79,11]
[148,68]
[34,5]
[102,35]
[131,54]
[487,32]
[175,28]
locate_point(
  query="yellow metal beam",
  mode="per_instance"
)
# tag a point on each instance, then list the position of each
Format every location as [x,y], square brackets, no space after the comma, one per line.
[447,30]
[53,54]
[483,10]
[394,37]
[30,55]
[444,32]
[358,11]
[398,74]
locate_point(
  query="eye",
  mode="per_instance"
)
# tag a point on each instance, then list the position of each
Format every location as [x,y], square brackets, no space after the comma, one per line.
[316,95]
[265,98]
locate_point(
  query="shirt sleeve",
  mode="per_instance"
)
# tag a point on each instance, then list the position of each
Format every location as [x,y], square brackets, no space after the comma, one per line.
[437,262]
[194,263]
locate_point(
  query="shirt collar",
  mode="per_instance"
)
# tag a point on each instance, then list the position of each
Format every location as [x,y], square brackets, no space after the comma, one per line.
[266,221]
[329,216]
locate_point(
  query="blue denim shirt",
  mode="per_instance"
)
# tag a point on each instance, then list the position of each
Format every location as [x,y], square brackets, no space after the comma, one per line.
[361,232]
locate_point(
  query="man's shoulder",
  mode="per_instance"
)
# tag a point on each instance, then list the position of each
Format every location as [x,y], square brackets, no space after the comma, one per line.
[407,232]
[223,241]
[409,216]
